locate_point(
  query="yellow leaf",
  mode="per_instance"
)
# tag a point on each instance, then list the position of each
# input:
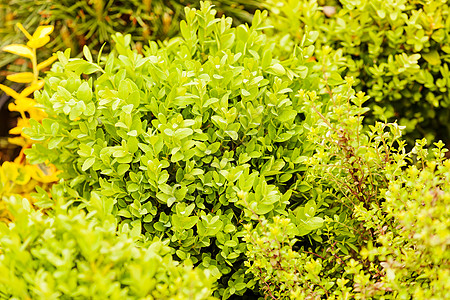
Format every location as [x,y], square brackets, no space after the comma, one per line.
[24,176]
[24,77]
[22,105]
[33,87]
[19,141]
[45,173]
[15,130]
[42,31]
[23,30]
[37,113]
[38,42]
[19,49]
[9,91]
[46,63]
[10,170]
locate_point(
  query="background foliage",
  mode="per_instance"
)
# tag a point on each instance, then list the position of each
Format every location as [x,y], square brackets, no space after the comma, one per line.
[397,51]
[92,22]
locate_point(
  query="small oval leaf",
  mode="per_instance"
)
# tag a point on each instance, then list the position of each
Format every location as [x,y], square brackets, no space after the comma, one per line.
[25,77]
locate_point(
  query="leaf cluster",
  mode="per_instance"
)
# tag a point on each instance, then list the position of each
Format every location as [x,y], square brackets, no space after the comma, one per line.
[79,23]
[68,254]
[20,177]
[173,135]
[398,53]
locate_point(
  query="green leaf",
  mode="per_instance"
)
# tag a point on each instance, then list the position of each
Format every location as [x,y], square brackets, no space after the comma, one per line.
[87,54]
[314,223]
[287,116]
[182,133]
[266,59]
[84,92]
[88,163]
[432,57]
[335,79]
[132,187]
[278,69]
[54,142]
[80,66]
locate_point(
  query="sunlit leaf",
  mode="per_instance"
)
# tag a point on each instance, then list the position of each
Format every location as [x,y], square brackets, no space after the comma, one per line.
[33,87]
[47,62]
[39,42]
[19,49]
[10,91]
[25,77]
[43,31]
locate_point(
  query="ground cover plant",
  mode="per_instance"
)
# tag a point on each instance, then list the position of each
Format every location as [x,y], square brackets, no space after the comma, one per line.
[221,150]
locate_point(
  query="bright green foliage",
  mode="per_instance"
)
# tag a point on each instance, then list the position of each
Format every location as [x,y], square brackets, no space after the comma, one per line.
[413,240]
[92,22]
[283,272]
[397,51]
[173,135]
[220,127]
[68,255]
[386,230]
[347,168]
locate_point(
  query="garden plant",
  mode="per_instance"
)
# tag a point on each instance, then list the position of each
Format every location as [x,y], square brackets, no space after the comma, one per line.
[92,22]
[228,162]
[18,176]
[397,51]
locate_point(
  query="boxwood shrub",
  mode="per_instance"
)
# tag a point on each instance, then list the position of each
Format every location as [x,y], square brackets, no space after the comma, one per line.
[250,162]
[172,137]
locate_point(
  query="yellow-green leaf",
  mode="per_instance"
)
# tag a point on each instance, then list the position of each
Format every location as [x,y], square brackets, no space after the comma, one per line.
[46,63]
[19,49]
[432,57]
[9,91]
[25,77]
[43,31]
[38,42]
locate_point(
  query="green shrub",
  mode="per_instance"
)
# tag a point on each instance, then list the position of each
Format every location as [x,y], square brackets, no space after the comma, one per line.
[211,134]
[172,136]
[386,230]
[282,272]
[347,167]
[413,240]
[398,53]
[69,254]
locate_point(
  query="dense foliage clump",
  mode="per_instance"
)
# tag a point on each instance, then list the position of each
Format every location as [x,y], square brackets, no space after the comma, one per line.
[398,53]
[68,254]
[92,22]
[172,136]
[386,230]
[240,158]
